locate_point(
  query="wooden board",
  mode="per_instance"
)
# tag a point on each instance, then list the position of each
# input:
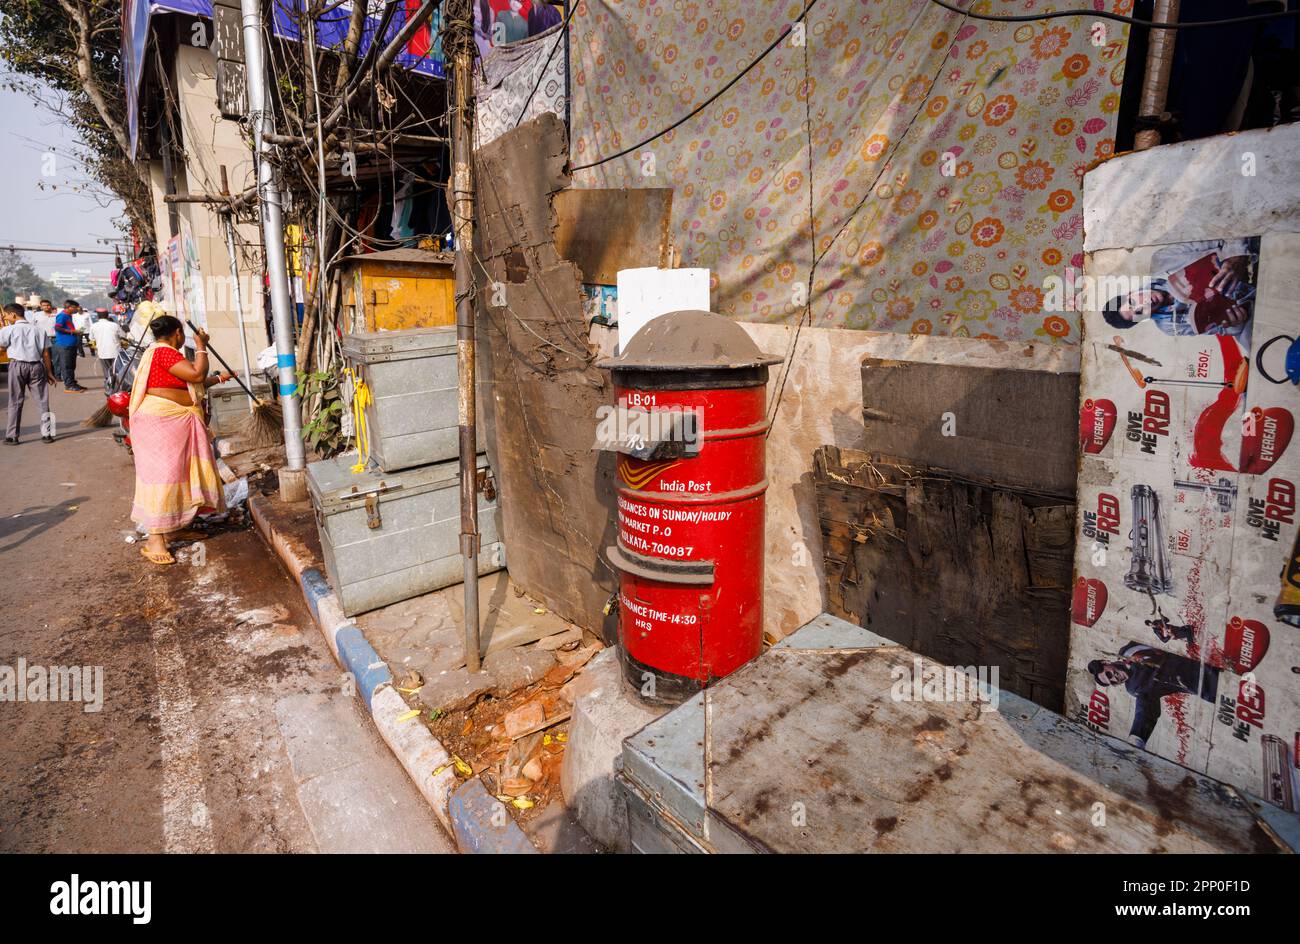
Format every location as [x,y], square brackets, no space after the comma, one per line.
[964,573]
[602,231]
[1015,427]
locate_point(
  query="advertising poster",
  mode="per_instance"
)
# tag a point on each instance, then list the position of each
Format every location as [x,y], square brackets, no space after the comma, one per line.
[1185,635]
[191,278]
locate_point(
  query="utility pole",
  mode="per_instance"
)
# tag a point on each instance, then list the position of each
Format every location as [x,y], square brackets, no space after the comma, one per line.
[458,42]
[293,478]
[1155,82]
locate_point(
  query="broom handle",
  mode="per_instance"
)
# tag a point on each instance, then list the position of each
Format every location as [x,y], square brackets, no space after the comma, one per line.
[221,360]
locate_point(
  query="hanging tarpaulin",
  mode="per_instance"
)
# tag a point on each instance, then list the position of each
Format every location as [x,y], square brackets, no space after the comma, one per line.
[136,16]
[423,53]
[936,192]
[510,74]
[502,22]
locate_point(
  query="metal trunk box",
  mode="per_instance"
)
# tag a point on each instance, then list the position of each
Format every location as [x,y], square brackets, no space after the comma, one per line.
[399,289]
[879,749]
[388,537]
[412,379]
[228,404]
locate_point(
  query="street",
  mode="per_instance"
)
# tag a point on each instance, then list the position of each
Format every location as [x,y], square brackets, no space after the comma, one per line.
[225,723]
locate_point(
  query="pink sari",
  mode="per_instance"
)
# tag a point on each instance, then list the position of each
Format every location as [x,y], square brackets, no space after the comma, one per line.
[175,470]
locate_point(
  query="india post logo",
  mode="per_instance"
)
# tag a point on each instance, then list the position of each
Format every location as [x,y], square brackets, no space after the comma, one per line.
[636,474]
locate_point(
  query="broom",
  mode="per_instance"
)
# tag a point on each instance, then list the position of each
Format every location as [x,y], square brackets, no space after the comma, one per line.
[265,424]
[102,417]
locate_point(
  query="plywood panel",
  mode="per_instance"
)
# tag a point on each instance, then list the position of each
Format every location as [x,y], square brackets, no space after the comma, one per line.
[963,573]
[602,231]
[1013,427]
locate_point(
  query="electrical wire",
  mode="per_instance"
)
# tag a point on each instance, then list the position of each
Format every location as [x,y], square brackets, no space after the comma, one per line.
[818,257]
[1117,17]
[708,101]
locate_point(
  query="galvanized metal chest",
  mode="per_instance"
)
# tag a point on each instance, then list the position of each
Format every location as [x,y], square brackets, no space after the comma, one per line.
[392,536]
[411,374]
[838,740]
[229,404]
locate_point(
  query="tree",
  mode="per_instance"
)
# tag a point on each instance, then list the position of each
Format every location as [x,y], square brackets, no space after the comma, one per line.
[17,277]
[65,54]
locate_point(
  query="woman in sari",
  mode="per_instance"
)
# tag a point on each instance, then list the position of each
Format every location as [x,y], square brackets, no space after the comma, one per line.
[175,471]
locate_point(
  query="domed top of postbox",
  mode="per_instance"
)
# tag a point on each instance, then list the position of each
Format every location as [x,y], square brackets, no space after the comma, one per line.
[690,340]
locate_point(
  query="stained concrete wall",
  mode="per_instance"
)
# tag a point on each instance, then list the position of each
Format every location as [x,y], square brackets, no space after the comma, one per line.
[209,142]
[822,405]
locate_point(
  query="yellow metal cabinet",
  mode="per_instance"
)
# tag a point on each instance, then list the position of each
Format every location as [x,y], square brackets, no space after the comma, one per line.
[399,289]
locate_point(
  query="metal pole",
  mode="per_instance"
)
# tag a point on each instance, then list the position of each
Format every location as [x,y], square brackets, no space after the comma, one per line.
[273,235]
[1160,63]
[460,14]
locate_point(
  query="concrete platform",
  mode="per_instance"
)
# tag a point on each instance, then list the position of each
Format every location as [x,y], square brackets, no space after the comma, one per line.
[425,634]
[823,744]
[605,712]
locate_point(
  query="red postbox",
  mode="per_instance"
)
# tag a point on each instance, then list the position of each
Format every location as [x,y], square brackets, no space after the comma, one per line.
[691,410]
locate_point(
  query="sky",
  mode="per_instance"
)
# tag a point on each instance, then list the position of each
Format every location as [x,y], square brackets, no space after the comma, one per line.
[30,216]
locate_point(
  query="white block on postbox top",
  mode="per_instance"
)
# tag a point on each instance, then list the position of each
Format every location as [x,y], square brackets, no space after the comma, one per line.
[644,294]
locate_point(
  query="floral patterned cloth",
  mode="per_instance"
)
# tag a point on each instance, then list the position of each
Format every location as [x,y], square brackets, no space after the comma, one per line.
[939,186]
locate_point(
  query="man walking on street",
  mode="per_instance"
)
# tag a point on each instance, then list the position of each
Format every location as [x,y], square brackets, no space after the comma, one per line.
[107,335]
[43,318]
[81,320]
[66,341]
[29,366]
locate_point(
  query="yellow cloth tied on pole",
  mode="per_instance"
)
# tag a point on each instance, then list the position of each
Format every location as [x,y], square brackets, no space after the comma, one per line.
[361,398]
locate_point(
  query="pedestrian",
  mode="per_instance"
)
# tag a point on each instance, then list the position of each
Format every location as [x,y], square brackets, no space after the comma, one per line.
[29,368]
[82,320]
[44,319]
[106,334]
[175,470]
[66,340]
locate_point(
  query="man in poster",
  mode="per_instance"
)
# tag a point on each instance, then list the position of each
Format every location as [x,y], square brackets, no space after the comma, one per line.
[1203,287]
[1151,675]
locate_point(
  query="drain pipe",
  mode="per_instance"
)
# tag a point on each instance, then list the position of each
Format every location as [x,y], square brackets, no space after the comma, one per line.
[1155,84]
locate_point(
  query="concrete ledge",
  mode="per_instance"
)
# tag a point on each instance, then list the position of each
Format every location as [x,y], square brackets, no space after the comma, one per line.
[423,757]
[605,712]
[470,816]
[481,824]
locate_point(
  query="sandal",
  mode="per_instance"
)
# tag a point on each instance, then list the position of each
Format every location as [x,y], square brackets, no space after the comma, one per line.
[153,557]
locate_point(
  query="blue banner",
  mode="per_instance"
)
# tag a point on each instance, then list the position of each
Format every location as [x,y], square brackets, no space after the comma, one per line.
[423,54]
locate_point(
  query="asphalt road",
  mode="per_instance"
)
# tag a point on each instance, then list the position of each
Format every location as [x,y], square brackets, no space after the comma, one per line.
[224,724]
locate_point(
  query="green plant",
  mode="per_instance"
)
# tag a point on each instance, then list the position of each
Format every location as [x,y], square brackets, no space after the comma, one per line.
[323,410]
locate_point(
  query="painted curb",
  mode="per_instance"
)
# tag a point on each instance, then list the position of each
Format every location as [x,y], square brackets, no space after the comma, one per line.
[480,824]
[470,816]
